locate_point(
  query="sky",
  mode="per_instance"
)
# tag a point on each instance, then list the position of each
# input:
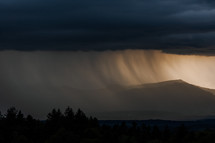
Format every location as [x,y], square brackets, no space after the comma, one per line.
[56,53]
[100,82]
[176,26]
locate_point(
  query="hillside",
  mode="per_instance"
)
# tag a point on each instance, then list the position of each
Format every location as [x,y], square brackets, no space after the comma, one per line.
[165,100]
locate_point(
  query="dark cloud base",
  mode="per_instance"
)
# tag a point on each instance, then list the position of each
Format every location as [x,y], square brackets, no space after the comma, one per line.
[176,26]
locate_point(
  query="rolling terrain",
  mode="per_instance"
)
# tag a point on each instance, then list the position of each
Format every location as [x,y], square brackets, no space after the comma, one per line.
[174,100]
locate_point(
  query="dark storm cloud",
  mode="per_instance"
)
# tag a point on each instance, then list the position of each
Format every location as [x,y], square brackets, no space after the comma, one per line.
[102,24]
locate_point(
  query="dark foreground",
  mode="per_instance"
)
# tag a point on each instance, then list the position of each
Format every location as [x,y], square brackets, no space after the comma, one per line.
[76,127]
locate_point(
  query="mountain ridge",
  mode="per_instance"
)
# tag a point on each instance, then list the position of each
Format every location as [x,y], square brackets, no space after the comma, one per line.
[173,99]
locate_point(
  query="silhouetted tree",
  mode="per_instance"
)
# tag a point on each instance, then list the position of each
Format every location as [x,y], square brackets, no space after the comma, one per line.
[20,117]
[69,118]
[55,115]
[17,138]
[69,114]
[166,133]
[1,116]
[156,132]
[11,114]
[134,125]
[93,122]
[55,119]
[80,117]
[63,136]
[29,118]
[181,132]
[133,129]
[87,130]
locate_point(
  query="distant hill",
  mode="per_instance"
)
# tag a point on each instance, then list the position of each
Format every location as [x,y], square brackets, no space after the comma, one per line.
[174,100]
[209,90]
[170,100]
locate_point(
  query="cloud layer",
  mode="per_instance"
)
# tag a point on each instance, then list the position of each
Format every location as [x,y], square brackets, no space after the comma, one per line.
[102,24]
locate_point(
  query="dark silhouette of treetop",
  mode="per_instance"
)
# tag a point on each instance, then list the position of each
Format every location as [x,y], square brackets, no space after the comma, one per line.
[55,115]
[20,116]
[80,116]
[69,114]
[76,127]
[11,114]
[1,116]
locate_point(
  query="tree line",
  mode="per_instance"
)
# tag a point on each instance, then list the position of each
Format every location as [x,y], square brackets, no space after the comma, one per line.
[76,127]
